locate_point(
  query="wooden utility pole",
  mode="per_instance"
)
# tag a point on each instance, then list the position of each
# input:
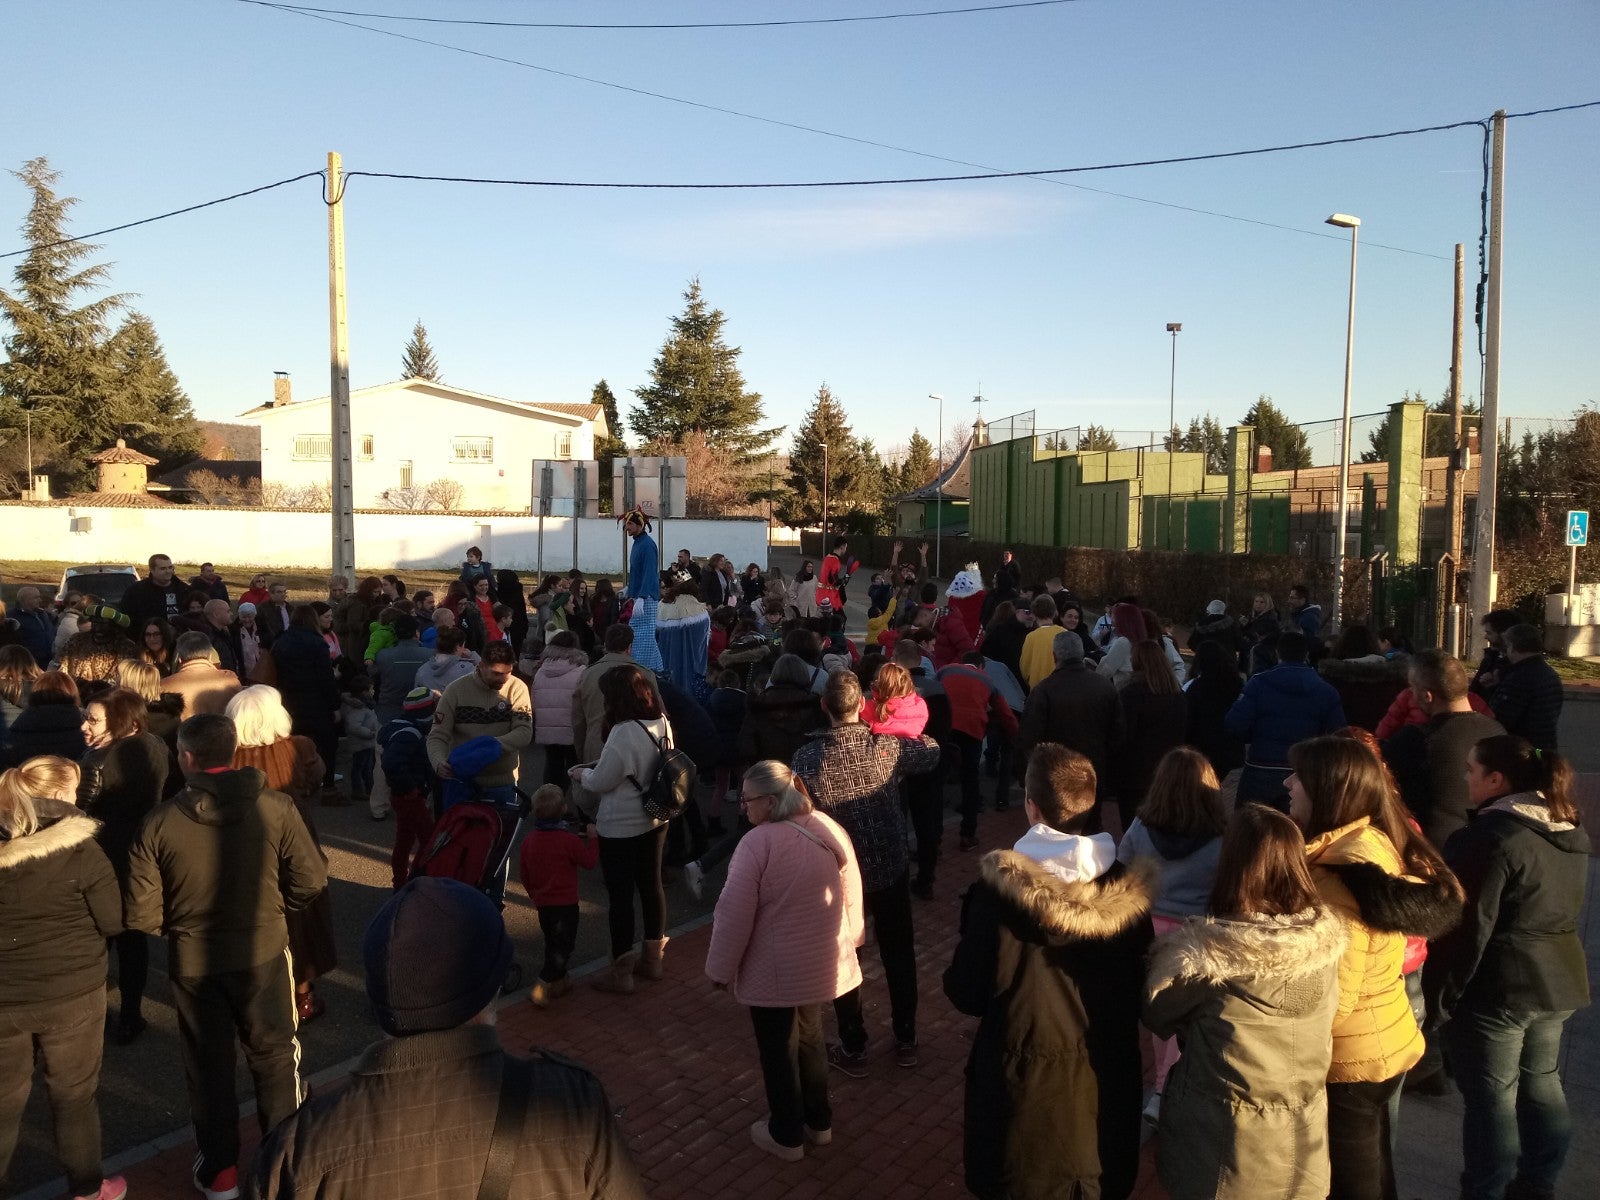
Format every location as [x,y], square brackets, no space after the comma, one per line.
[343,491]
[1455,499]
[1482,594]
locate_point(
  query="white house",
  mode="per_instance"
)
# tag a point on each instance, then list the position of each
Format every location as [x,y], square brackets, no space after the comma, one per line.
[407,434]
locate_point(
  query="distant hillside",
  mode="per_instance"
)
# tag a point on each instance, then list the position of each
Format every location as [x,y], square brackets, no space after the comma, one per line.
[227,440]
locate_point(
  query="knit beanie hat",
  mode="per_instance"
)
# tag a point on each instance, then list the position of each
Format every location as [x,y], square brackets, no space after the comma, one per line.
[247,609]
[104,612]
[1216,608]
[419,703]
[436,955]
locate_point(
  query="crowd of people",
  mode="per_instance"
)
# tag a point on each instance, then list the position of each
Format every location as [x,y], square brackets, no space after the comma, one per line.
[1391,902]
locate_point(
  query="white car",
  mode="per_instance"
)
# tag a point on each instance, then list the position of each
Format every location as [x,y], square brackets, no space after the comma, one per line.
[105,582]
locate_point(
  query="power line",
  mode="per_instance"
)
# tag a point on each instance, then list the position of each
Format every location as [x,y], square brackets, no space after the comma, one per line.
[826,183]
[892,16]
[177,212]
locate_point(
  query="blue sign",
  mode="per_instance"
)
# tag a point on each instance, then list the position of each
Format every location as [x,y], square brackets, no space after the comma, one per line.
[1577,528]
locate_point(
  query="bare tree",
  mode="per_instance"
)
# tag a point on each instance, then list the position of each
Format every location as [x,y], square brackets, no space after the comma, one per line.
[446,493]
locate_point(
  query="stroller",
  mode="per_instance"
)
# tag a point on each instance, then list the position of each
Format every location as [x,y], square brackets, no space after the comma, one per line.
[476,832]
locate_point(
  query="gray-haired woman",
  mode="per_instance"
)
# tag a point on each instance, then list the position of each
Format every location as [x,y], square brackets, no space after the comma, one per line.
[784,944]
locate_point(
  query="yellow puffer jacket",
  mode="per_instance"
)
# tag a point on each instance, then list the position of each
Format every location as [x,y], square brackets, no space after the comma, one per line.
[1375,1035]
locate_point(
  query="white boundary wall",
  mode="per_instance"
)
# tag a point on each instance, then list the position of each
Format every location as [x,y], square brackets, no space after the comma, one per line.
[253,537]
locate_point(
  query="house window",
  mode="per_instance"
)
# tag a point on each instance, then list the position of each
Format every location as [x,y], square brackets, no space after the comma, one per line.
[405,472]
[315,447]
[365,448]
[564,445]
[472,449]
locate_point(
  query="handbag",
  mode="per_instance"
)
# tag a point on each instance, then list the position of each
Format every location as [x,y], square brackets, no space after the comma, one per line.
[516,1084]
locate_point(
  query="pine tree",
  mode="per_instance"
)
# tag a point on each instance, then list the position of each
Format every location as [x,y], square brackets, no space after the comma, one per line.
[611,447]
[1436,438]
[1288,440]
[695,384]
[824,423]
[147,404]
[84,385]
[1096,437]
[919,466]
[1204,436]
[417,360]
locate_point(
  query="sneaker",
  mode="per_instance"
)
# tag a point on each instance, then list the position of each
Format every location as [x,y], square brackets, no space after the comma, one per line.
[224,1187]
[819,1137]
[1152,1108]
[762,1136]
[694,878]
[853,1065]
[905,1054]
[969,841]
[114,1188]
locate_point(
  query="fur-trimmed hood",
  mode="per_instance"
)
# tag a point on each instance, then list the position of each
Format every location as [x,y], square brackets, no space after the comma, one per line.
[1217,950]
[1090,909]
[1425,908]
[61,827]
[1372,668]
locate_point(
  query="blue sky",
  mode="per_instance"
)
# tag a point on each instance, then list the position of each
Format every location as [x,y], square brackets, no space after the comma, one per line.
[1050,297]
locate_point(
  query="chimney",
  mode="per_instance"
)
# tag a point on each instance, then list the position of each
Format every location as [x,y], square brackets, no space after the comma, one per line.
[1263,458]
[280,389]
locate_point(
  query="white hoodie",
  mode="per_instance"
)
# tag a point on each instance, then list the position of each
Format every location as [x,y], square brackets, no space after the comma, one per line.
[1070,857]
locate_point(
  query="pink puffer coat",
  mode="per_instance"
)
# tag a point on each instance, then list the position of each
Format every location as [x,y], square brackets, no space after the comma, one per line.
[553,686]
[789,918]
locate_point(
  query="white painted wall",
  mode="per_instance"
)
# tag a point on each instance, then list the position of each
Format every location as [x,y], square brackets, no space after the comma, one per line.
[409,424]
[384,541]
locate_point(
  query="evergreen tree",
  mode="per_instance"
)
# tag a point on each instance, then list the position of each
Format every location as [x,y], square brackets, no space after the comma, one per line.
[146,404]
[1288,440]
[417,360]
[84,385]
[1436,437]
[825,423]
[1204,436]
[919,466]
[1096,437]
[695,384]
[611,447]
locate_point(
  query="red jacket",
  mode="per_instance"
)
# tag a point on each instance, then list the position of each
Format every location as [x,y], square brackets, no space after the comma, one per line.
[1404,711]
[951,640]
[970,610]
[972,700]
[550,860]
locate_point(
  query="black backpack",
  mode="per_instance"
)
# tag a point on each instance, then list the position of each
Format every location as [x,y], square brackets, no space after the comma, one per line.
[671,788]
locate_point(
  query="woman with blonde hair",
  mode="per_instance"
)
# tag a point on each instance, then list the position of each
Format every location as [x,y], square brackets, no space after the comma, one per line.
[59,902]
[163,713]
[784,943]
[894,707]
[291,764]
[1387,883]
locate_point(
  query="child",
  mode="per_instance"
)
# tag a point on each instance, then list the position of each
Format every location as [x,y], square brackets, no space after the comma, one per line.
[381,634]
[361,727]
[1252,987]
[725,707]
[1180,826]
[976,705]
[412,781]
[551,856]
[1051,958]
[894,707]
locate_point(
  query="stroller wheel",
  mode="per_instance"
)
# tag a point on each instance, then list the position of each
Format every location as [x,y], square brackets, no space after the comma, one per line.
[513,979]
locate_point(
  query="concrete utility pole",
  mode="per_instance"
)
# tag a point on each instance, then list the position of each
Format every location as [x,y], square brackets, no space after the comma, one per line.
[1482,589]
[1341,534]
[343,492]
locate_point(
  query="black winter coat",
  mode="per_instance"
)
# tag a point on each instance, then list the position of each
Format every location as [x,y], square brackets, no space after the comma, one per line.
[1207,701]
[1517,948]
[1153,725]
[1528,701]
[306,680]
[119,786]
[1077,708]
[49,728]
[778,721]
[58,905]
[1003,643]
[1055,971]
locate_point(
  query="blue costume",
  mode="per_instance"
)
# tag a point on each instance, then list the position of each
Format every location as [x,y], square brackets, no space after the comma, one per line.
[644,589]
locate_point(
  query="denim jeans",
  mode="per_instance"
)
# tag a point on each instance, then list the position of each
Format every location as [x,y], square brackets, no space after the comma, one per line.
[68,1037]
[794,1068]
[1361,1167]
[1516,1124]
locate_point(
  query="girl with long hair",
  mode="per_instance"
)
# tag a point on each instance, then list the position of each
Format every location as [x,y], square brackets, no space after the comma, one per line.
[52,723]
[158,643]
[1214,684]
[18,670]
[1155,716]
[631,841]
[1180,826]
[894,707]
[1388,884]
[1128,625]
[602,608]
[1251,988]
[1512,973]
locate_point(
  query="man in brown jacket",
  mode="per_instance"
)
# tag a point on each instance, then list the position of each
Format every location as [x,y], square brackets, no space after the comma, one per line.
[204,686]
[433,1108]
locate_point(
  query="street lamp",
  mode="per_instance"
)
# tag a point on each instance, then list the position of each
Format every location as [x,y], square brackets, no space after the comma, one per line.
[1353,224]
[938,496]
[1173,327]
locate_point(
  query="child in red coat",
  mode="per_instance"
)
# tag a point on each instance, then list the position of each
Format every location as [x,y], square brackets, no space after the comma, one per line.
[551,856]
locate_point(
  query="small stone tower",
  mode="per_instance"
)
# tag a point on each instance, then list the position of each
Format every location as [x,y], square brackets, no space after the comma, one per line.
[123,470]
